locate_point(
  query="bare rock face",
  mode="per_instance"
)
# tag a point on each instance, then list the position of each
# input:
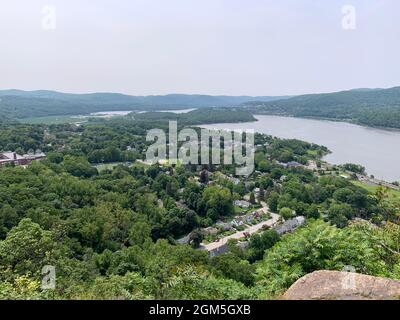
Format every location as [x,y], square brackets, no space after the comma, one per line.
[336,285]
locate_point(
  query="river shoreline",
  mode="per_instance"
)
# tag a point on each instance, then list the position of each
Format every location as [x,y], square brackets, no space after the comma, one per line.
[373,148]
[349,121]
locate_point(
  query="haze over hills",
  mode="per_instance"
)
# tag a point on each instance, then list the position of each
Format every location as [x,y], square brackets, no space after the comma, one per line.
[374,107]
[23,104]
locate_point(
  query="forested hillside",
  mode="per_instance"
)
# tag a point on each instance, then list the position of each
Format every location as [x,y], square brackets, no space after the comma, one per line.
[199,116]
[23,104]
[109,222]
[378,107]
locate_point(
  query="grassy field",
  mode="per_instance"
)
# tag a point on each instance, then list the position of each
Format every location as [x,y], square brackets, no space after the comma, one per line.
[107,166]
[393,194]
[110,166]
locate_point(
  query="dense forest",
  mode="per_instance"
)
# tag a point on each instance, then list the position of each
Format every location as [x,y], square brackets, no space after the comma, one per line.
[378,107]
[199,116]
[112,231]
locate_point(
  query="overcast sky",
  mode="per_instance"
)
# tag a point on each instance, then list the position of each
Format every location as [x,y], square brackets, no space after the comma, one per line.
[234,47]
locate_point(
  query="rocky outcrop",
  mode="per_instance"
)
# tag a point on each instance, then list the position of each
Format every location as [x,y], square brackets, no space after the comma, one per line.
[336,285]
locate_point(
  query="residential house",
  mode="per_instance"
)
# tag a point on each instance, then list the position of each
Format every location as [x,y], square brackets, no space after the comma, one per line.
[210,231]
[224,226]
[242,203]
[290,225]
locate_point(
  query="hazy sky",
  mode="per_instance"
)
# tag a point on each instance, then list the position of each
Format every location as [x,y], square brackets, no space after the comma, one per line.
[235,47]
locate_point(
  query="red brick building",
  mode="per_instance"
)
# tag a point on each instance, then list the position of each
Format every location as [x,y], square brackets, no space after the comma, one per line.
[19,160]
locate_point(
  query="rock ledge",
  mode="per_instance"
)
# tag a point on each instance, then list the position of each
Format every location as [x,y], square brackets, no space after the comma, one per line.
[336,285]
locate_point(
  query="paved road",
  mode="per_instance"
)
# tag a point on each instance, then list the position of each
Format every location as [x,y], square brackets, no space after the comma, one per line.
[240,234]
[377,182]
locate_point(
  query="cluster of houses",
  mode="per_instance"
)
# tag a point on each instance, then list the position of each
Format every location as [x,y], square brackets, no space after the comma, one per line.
[239,221]
[283,228]
[249,219]
[227,226]
[20,160]
[290,225]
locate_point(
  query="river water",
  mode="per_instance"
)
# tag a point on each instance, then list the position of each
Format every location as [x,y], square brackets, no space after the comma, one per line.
[109,114]
[375,149]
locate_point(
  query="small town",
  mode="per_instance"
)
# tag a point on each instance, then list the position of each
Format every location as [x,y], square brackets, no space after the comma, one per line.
[198,159]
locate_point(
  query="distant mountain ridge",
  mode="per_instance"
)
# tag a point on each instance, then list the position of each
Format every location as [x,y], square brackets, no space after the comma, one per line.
[373,107]
[22,104]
